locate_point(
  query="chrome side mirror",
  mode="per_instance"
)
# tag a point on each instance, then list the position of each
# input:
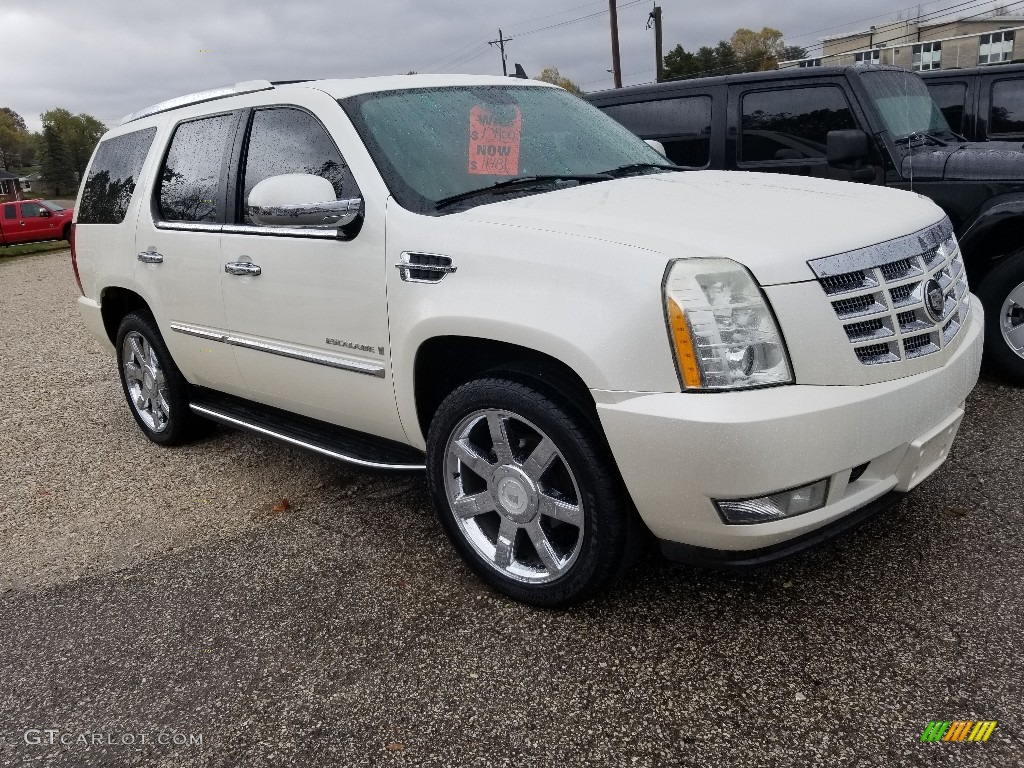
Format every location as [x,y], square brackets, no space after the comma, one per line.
[300,200]
[656,145]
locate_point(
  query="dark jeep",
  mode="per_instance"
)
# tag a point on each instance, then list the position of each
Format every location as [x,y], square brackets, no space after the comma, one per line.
[875,125]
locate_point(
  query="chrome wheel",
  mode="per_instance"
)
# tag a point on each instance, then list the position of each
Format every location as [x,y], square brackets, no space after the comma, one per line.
[513,496]
[1011,320]
[145,382]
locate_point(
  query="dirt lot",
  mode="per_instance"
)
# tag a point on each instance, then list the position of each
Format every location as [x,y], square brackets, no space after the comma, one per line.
[151,599]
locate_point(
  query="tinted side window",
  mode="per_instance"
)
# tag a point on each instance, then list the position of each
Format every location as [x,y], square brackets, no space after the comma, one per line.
[112,177]
[191,176]
[792,124]
[683,125]
[30,210]
[951,98]
[283,140]
[1007,114]
[10,212]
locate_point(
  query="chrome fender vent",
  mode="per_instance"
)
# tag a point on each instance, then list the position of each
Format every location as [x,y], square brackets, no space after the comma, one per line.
[424,267]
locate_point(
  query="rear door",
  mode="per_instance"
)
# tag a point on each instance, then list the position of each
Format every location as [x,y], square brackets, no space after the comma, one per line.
[682,122]
[179,265]
[13,232]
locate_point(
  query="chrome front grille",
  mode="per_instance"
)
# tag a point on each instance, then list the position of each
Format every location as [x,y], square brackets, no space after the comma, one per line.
[887,296]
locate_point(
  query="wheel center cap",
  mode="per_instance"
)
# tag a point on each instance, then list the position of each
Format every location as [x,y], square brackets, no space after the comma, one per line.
[515,496]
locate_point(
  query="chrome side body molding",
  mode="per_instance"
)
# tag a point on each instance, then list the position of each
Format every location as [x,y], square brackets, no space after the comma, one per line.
[317,358]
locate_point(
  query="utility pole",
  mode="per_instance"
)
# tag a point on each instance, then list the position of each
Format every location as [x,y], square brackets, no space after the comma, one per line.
[659,62]
[500,42]
[616,65]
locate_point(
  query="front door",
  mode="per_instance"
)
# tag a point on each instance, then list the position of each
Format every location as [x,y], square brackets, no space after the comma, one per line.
[307,309]
[37,223]
[785,130]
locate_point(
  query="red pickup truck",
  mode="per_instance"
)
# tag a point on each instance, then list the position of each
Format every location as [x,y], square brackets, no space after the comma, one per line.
[28,221]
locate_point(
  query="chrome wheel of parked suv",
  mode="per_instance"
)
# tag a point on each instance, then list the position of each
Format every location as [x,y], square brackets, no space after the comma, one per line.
[156,392]
[514,496]
[145,382]
[525,488]
[1002,293]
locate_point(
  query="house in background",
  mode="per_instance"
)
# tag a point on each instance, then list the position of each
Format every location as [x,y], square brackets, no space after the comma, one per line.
[925,45]
[10,187]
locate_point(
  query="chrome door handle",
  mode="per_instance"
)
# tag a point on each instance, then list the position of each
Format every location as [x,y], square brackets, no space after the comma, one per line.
[150,257]
[242,268]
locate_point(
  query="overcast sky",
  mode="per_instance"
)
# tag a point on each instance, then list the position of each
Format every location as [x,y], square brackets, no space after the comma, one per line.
[111,57]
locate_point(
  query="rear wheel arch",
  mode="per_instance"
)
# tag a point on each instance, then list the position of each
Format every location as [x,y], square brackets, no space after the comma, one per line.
[115,304]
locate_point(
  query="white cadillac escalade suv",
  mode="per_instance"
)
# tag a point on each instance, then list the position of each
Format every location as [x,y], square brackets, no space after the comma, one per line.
[490,280]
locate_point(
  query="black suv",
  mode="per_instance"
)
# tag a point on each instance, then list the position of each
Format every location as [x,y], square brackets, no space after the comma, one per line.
[875,125]
[981,103]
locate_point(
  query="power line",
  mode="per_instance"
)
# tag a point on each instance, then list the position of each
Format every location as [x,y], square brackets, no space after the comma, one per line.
[937,14]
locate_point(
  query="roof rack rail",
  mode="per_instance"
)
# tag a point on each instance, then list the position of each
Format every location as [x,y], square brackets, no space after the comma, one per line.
[199,97]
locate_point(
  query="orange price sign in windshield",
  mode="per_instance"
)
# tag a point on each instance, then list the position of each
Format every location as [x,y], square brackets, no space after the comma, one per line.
[494,143]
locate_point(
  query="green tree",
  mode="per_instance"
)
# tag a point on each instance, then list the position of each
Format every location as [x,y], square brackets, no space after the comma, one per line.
[553,76]
[78,133]
[18,119]
[680,64]
[793,52]
[58,169]
[15,140]
[758,51]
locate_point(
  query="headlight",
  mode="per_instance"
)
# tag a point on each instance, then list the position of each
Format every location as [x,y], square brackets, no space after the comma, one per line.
[722,331]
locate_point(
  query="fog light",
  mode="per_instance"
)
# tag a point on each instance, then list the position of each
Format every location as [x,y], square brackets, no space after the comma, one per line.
[778,506]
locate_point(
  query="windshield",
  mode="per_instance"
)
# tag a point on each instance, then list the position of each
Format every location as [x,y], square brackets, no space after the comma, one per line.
[433,144]
[905,104]
[52,206]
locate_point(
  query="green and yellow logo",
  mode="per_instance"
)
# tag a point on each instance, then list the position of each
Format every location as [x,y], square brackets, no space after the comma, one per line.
[958,730]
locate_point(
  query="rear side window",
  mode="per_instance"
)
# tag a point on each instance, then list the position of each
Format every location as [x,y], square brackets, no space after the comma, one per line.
[286,140]
[1007,115]
[190,180]
[682,125]
[951,98]
[792,124]
[10,212]
[112,177]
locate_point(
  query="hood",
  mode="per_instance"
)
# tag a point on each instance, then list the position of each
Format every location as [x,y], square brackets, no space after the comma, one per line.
[974,161]
[770,223]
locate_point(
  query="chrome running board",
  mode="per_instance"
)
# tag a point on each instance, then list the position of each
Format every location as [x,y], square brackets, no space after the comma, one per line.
[328,440]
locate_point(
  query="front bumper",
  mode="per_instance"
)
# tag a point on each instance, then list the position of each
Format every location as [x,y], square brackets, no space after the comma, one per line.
[678,451]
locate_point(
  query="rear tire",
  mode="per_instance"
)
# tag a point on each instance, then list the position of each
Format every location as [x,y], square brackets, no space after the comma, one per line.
[1002,294]
[527,490]
[157,393]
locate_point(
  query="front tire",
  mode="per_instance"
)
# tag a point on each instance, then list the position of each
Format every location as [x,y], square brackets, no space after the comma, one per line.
[1002,294]
[528,493]
[157,393]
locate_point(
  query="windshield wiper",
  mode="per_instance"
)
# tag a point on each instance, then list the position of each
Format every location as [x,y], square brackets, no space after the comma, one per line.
[520,181]
[922,136]
[625,170]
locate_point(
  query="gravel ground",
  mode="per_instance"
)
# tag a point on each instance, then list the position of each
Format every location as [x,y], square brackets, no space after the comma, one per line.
[154,594]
